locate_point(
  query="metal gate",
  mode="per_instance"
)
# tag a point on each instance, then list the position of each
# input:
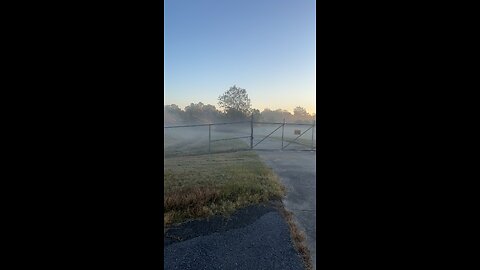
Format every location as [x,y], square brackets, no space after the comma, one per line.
[198,139]
[283,136]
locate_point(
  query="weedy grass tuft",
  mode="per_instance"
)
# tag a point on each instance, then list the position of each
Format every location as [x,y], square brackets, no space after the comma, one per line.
[298,238]
[205,185]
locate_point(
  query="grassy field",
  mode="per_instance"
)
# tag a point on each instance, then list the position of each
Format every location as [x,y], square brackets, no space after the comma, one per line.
[204,185]
[175,145]
[194,140]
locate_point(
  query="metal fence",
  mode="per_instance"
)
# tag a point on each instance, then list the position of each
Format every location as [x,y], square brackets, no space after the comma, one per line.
[234,136]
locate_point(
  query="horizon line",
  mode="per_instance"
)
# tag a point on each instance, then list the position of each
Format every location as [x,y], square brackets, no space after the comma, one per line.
[314,111]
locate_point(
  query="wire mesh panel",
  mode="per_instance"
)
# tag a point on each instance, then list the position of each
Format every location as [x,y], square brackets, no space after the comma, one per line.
[198,139]
[230,137]
[195,139]
[299,137]
[285,136]
[181,141]
[267,136]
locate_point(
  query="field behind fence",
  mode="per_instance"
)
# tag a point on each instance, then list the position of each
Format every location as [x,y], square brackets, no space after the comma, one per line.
[197,139]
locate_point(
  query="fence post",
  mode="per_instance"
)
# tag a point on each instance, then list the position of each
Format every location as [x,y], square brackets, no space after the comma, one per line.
[283,127]
[251,133]
[313,132]
[209,137]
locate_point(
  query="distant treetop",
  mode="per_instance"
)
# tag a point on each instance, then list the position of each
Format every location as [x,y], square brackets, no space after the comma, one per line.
[235,103]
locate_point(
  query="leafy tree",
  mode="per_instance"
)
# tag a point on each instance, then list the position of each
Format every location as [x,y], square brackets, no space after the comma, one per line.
[172,108]
[193,111]
[268,115]
[256,115]
[235,103]
[173,114]
[211,113]
[200,113]
[300,113]
[276,116]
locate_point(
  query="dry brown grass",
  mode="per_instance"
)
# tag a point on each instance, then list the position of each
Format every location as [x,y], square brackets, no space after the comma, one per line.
[298,238]
[190,197]
[204,185]
[201,186]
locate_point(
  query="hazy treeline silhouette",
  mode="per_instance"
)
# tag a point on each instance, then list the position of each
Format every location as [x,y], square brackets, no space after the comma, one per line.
[206,113]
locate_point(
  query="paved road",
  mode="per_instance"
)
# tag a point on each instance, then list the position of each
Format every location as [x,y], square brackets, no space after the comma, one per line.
[255,237]
[297,171]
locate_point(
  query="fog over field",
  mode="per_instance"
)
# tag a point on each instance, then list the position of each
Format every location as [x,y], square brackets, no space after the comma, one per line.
[202,128]
[195,140]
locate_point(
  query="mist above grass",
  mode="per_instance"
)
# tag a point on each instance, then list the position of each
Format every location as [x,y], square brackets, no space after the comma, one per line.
[197,113]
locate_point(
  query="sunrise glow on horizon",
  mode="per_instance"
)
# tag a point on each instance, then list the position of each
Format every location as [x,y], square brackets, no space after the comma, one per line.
[266,47]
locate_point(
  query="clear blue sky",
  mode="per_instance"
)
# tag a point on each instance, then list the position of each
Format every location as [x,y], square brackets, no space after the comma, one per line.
[264,46]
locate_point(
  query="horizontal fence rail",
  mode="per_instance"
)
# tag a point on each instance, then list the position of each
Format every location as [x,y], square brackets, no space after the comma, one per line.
[193,140]
[279,123]
[298,137]
[230,139]
[268,135]
[204,125]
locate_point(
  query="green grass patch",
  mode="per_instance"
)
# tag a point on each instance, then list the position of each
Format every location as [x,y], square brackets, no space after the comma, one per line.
[205,185]
[197,147]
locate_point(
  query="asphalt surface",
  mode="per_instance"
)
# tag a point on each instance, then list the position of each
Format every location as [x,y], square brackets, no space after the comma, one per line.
[297,172]
[256,237]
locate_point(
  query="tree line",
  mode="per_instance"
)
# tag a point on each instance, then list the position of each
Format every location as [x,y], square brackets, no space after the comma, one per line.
[234,105]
